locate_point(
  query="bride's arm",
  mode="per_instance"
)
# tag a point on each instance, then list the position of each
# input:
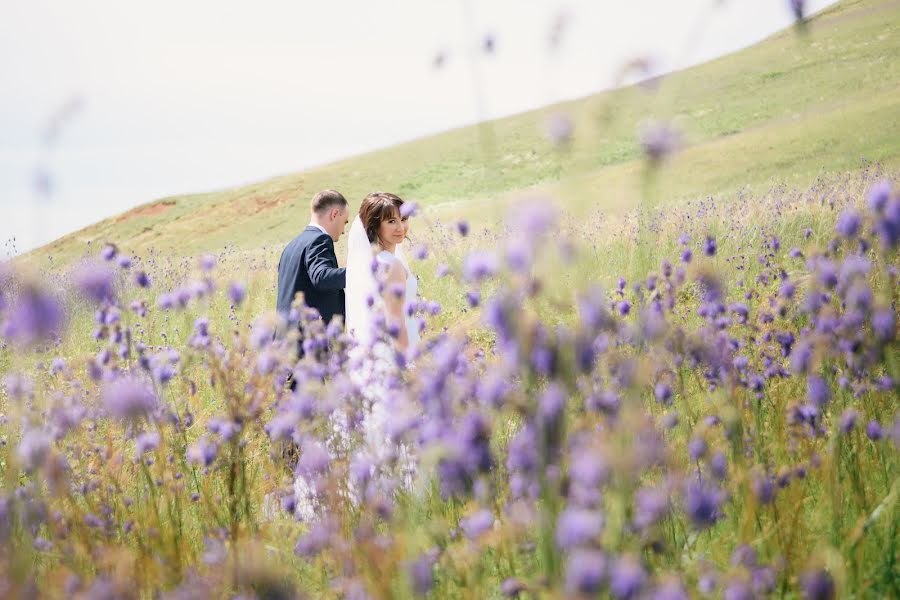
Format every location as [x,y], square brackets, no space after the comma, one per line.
[394,296]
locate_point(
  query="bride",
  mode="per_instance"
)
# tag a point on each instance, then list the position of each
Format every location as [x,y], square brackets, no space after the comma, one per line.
[379,294]
[379,282]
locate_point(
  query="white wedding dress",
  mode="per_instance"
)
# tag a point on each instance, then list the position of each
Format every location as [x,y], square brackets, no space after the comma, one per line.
[373,363]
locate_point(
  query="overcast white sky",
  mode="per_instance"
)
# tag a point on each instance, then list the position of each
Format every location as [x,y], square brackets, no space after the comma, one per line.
[179,97]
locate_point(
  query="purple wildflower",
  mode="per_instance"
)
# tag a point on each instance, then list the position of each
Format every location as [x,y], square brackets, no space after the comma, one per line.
[817,585]
[659,140]
[479,265]
[108,252]
[585,572]
[33,449]
[697,448]
[409,209]
[848,420]
[651,506]
[147,442]
[202,452]
[626,578]
[709,246]
[578,527]
[884,325]
[142,279]
[848,223]
[421,572]
[95,281]
[35,316]
[702,503]
[237,291]
[477,523]
[316,539]
[560,128]
[817,391]
[873,430]
[314,460]
[129,398]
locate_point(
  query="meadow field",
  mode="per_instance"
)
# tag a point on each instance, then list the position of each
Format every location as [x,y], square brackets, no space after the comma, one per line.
[661,361]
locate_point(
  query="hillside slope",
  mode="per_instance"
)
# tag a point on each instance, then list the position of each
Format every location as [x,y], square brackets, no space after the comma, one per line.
[785,110]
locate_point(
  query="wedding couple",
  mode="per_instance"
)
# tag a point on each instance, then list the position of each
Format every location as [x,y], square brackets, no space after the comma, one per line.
[373,293]
[378,282]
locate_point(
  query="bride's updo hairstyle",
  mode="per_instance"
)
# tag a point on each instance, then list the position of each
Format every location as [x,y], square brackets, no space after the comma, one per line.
[375,208]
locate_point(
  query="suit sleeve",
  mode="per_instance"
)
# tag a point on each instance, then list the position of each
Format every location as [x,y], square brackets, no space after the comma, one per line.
[321,264]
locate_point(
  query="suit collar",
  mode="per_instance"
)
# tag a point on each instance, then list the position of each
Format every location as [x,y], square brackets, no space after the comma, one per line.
[315,227]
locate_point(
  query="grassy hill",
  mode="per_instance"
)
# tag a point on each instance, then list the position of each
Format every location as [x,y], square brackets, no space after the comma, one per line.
[788,109]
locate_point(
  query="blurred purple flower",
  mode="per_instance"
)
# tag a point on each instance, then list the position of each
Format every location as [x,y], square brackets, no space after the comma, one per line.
[848,223]
[35,316]
[763,488]
[659,140]
[817,585]
[463,228]
[33,449]
[697,448]
[316,539]
[95,282]
[314,460]
[512,587]
[670,590]
[477,523]
[663,393]
[878,195]
[421,573]
[884,325]
[709,246]
[202,452]
[479,265]
[237,292]
[651,505]
[817,391]
[702,503]
[873,430]
[142,279]
[848,420]
[129,398]
[147,442]
[109,251]
[626,578]
[409,209]
[578,527]
[207,262]
[560,128]
[585,572]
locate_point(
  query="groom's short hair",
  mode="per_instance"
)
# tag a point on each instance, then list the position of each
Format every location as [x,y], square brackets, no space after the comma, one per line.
[326,200]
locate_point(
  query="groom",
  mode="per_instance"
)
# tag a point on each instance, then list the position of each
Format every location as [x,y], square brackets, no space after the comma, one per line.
[308,263]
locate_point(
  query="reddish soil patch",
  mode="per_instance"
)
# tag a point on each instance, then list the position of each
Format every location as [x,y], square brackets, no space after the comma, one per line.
[147,211]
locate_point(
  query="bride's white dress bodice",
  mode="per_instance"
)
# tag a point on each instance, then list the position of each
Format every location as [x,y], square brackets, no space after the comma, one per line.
[412,289]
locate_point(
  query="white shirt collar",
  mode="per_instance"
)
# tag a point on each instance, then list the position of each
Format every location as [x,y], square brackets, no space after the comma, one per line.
[320,228]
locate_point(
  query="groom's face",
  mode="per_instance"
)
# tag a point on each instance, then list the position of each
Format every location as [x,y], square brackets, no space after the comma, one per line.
[337,222]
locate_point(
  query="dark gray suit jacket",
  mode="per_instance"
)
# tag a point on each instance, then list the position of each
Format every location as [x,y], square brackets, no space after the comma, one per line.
[308,264]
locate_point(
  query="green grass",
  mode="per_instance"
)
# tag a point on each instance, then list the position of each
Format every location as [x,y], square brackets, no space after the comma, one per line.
[791,108]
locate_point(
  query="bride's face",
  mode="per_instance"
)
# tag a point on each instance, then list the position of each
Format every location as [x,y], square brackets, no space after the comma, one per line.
[393,230]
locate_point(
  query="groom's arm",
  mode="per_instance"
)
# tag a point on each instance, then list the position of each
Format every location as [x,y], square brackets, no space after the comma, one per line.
[321,264]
